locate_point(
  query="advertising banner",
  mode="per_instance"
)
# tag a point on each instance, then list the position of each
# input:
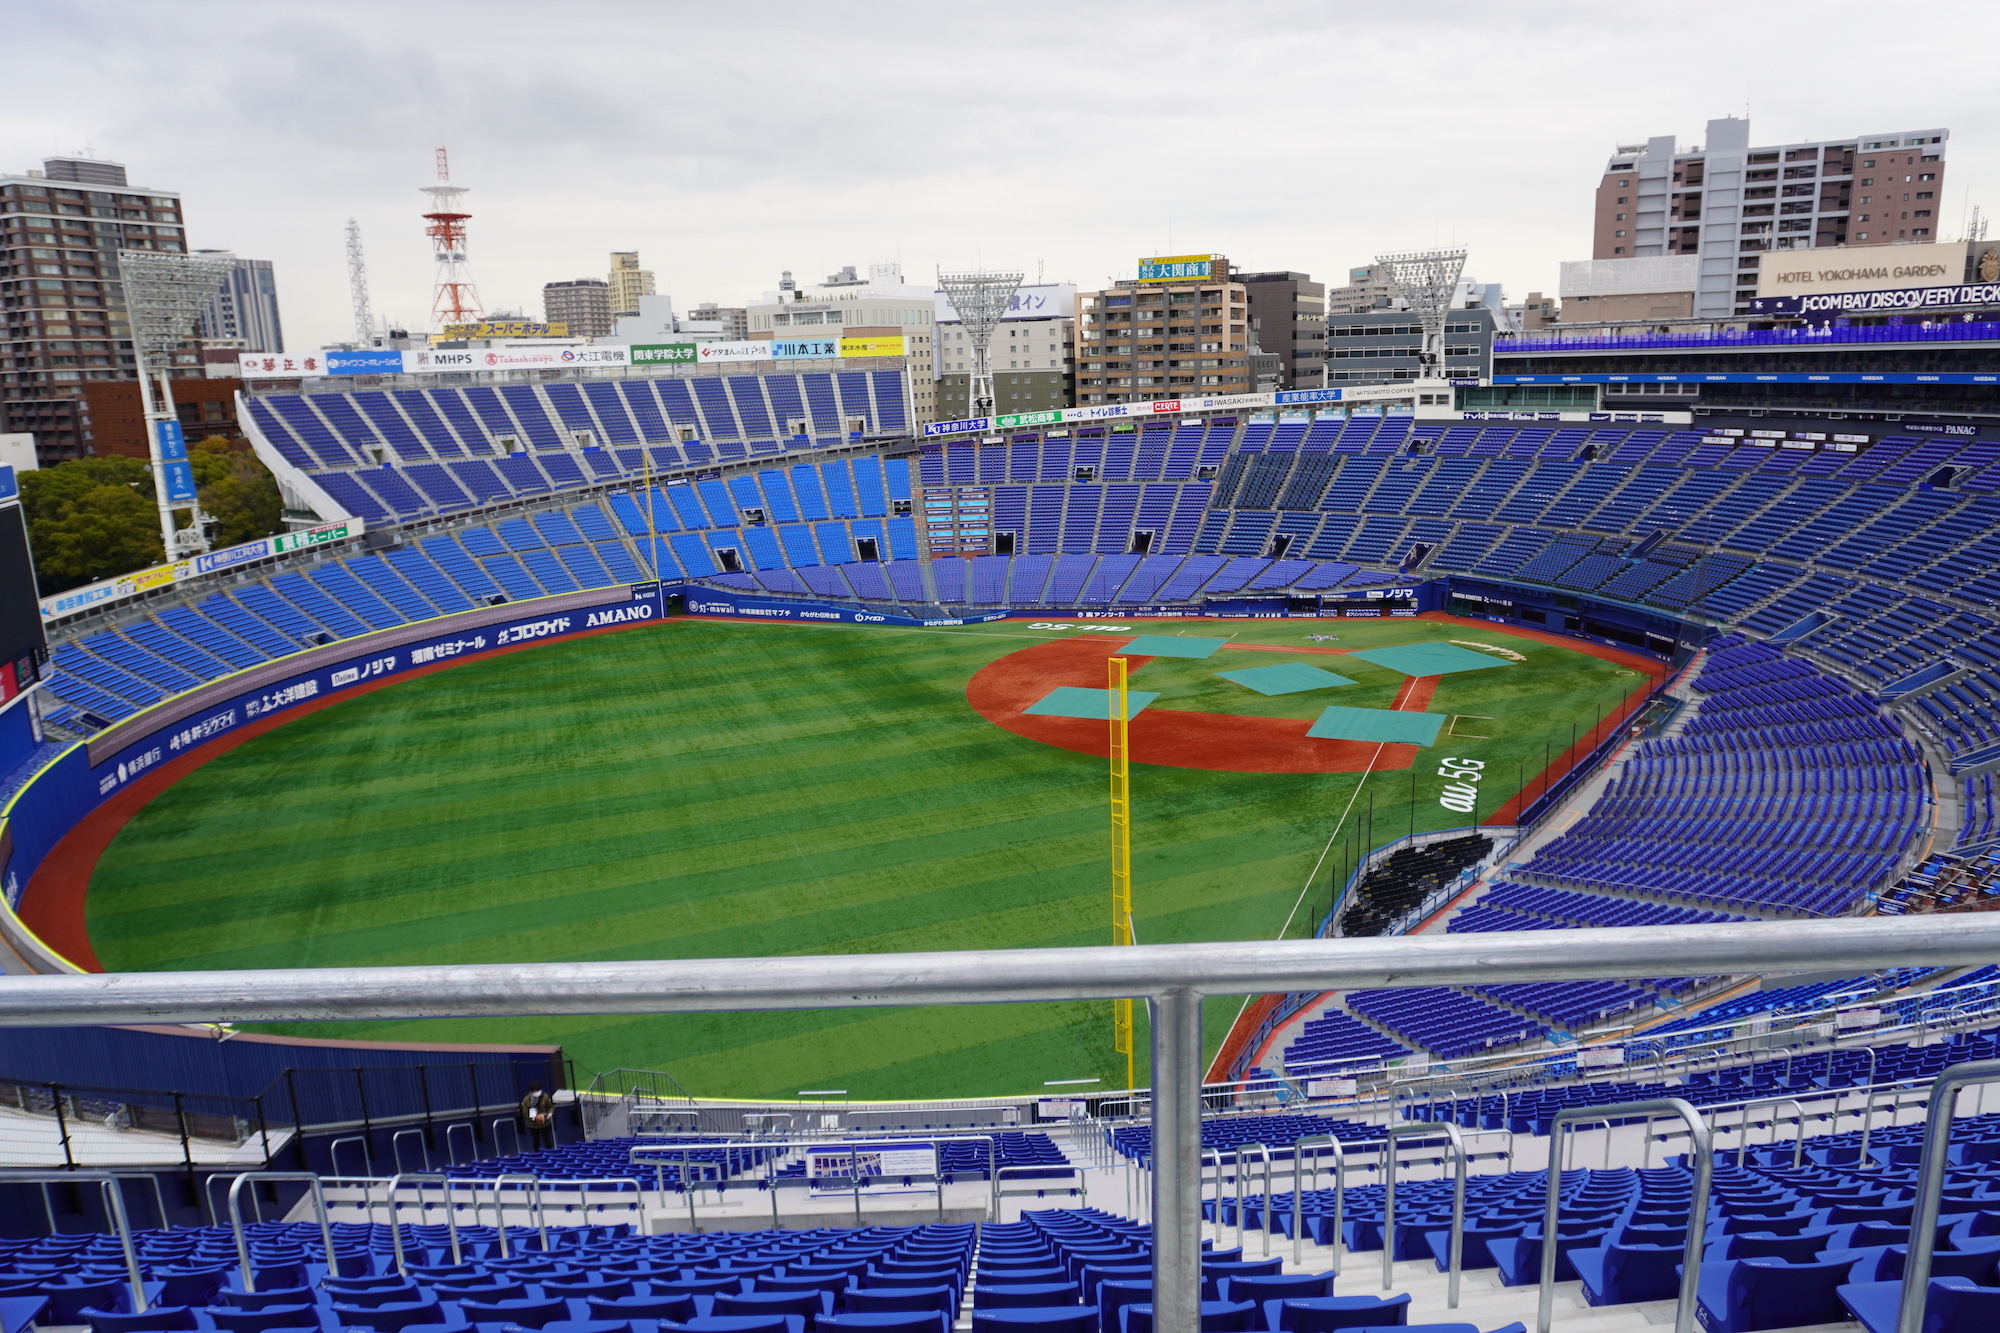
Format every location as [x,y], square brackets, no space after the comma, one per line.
[1127,411]
[504,328]
[884,1168]
[175,480]
[376,361]
[544,358]
[1177,268]
[662,354]
[726,602]
[888,345]
[128,585]
[745,351]
[1824,306]
[279,366]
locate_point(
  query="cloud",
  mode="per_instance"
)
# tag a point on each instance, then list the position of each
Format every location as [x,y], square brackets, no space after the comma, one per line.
[727,142]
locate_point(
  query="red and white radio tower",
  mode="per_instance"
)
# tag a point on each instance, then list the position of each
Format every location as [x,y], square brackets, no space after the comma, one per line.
[454,300]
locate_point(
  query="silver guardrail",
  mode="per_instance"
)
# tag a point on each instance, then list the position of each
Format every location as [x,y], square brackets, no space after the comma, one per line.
[1174,979]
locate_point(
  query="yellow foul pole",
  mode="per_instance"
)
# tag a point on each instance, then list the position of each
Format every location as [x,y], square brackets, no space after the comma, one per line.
[1121,852]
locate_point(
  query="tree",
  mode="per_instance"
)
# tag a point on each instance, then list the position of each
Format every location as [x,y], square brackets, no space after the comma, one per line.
[94,518]
[90,518]
[236,490]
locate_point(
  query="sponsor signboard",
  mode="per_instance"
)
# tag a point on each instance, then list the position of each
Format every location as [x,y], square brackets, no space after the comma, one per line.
[1331,1087]
[744,351]
[279,366]
[1177,268]
[374,361]
[724,602]
[659,354]
[129,585]
[1814,272]
[886,345]
[884,1168]
[504,328]
[1830,305]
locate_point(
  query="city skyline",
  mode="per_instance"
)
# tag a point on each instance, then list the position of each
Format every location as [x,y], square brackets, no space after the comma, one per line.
[739,172]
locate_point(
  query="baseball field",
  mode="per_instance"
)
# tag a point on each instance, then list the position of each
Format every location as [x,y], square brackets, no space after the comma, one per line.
[702,788]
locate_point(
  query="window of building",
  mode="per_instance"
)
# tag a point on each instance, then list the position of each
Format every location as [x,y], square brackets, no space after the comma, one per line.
[1617,249]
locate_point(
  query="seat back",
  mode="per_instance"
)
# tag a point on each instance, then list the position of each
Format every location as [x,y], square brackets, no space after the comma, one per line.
[1770,1293]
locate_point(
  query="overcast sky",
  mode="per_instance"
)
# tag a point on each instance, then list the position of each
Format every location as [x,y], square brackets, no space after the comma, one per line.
[728,141]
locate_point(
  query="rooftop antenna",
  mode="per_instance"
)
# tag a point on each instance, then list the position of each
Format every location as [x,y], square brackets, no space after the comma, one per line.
[1426,279]
[357,285]
[980,298]
[454,300]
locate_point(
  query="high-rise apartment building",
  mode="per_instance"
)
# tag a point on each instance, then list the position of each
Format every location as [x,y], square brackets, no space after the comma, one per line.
[1288,319]
[628,282]
[847,305]
[245,311]
[1728,202]
[1181,328]
[63,309]
[583,305]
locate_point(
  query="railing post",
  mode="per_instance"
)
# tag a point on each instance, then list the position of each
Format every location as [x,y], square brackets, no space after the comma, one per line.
[1701,1151]
[1930,1186]
[1176,1025]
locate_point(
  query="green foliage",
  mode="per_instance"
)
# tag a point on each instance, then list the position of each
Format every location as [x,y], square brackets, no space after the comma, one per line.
[94,518]
[236,490]
[90,518]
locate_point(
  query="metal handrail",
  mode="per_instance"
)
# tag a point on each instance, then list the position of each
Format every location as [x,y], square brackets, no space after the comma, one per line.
[534,1183]
[396,1147]
[243,1241]
[1264,1155]
[1743,1128]
[396,1213]
[1172,978]
[1457,1144]
[1938,1113]
[1701,1149]
[114,1206]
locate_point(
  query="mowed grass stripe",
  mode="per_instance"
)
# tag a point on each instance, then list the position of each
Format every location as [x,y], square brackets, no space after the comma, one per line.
[694,790]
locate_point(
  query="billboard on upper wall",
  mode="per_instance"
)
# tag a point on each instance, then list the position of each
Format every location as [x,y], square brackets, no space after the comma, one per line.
[1178,268]
[144,580]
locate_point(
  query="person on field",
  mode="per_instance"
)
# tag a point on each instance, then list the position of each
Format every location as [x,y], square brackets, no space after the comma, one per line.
[538,1113]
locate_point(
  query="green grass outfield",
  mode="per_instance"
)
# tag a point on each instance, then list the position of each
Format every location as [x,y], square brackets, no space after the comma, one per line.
[713,789]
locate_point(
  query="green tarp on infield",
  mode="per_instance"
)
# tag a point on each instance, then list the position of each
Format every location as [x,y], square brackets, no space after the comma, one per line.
[1171,645]
[1427,659]
[1284,678]
[1074,701]
[1377,724]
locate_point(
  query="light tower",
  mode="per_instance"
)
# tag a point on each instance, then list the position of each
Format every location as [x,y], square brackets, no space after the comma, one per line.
[1427,279]
[454,300]
[981,300]
[357,286]
[164,293]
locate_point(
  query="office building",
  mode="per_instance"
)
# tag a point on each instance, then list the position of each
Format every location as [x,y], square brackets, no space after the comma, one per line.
[628,282]
[1288,318]
[1368,288]
[1728,202]
[1381,346]
[64,319]
[1639,287]
[582,305]
[244,314]
[847,305]
[734,320]
[1030,354]
[1180,329]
